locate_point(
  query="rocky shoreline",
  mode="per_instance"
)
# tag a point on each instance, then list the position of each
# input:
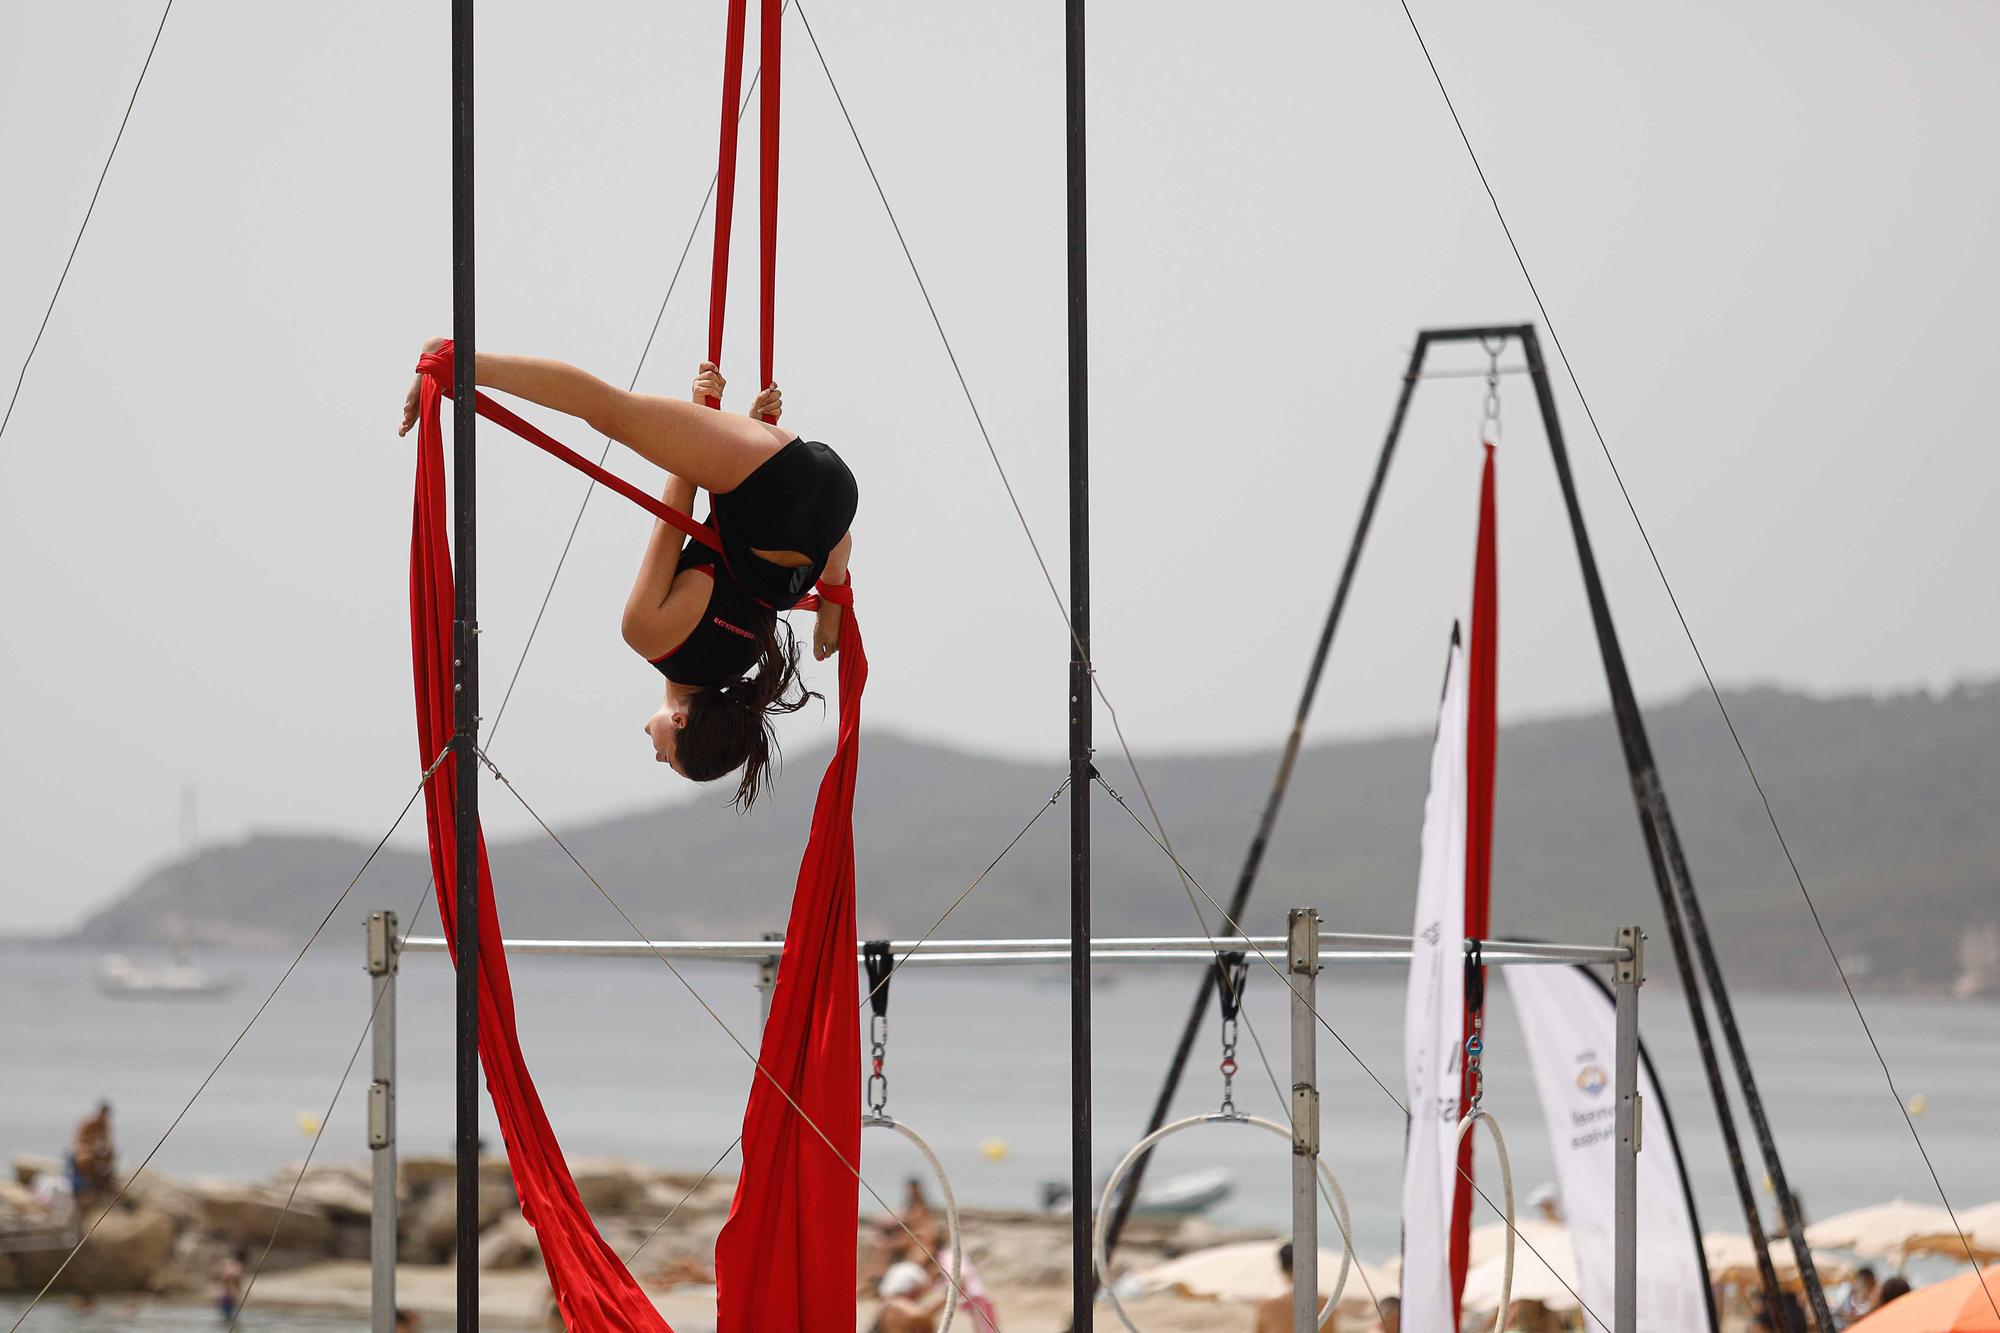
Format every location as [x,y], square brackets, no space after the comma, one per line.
[166,1238]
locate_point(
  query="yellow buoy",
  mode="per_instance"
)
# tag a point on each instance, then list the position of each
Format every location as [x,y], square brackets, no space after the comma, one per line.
[1919,1104]
[308,1124]
[995,1149]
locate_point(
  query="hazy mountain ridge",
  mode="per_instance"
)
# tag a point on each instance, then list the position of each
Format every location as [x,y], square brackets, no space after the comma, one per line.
[1889,805]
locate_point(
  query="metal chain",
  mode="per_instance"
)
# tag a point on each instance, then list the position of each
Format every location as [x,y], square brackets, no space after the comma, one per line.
[1474,1048]
[1489,417]
[1228,1067]
[878,1081]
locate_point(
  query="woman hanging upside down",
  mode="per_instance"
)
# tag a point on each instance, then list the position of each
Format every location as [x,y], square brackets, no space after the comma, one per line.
[712,624]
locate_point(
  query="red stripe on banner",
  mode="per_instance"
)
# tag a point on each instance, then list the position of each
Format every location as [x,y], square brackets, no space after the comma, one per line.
[1482,731]
[593,1288]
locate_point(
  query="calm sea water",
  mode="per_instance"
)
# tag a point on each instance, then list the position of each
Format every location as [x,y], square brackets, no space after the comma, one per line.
[629,1065]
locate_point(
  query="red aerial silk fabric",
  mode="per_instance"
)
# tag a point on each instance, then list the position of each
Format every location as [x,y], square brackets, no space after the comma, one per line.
[771,27]
[592,1286]
[785,1258]
[1481,736]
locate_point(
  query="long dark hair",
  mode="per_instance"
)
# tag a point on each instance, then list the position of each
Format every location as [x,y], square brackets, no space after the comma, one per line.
[729,726]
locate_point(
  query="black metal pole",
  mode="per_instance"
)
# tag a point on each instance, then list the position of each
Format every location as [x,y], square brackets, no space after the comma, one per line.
[1253,860]
[465,655]
[1083,1278]
[1678,901]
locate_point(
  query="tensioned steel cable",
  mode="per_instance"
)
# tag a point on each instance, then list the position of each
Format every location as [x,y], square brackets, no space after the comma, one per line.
[1188,877]
[83,226]
[216,1068]
[1687,631]
[756,1064]
[1097,683]
[590,488]
[898,965]
[319,1132]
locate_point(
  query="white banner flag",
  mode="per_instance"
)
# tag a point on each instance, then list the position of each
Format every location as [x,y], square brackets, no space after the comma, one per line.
[1434,1024]
[1570,1024]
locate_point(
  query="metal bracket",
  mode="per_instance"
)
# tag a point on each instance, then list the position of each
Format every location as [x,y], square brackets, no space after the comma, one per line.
[383,946]
[1305,1120]
[1633,970]
[1638,1122]
[381,1114]
[1302,949]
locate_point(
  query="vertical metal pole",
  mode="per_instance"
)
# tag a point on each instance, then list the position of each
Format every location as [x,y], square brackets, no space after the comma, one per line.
[1302,950]
[465,654]
[1082,1185]
[1680,905]
[382,948]
[1626,978]
[1253,859]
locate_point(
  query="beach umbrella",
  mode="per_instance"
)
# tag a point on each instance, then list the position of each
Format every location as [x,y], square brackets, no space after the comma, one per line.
[1982,1232]
[1879,1231]
[1489,1240]
[1248,1272]
[1550,1279]
[1731,1258]
[1958,1305]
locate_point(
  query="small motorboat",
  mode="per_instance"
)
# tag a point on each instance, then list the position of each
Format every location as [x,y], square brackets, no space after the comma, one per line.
[1183,1195]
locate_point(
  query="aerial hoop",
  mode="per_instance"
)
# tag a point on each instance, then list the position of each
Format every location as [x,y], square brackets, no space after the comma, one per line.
[1475,1083]
[878,961]
[1472,1117]
[884,1121]
[1145,1145]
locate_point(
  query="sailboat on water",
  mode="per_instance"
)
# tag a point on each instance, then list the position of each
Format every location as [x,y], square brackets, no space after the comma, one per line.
[179,977]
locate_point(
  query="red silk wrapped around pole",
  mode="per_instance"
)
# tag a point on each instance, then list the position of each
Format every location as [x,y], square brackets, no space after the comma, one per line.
[1482,731]
[785,1258]
[593,1288]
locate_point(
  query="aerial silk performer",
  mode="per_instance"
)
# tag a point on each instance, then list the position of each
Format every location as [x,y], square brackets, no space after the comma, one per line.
[1454,893]
[706,615]
[790,1240]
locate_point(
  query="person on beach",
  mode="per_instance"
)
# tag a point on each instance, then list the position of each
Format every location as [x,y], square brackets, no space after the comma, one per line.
[914,1293]
[711,624]
[1857,1298]
[93,1159]
[229,1285]
[1275,1315]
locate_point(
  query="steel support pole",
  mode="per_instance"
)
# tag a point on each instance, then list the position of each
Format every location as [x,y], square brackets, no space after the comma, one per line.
[465,655]
[1302,974]
[1679,903]
[382,1123]
[1626,978]
[767,981]
[1083,1282]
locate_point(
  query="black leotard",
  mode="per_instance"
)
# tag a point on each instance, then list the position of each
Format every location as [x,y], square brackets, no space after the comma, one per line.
[722,647]
[802,498]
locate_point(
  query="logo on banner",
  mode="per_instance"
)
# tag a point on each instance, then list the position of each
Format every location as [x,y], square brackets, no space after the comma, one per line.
[1592,1079]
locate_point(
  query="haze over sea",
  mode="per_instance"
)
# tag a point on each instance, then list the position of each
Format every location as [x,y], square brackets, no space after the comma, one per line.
[630,1066]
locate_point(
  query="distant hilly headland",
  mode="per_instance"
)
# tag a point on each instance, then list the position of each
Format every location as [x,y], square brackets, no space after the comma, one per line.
[1891,805]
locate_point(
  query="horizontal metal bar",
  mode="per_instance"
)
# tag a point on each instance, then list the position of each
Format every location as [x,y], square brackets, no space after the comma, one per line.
[1335,948]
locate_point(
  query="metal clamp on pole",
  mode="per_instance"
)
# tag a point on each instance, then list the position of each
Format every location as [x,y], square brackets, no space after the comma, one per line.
[767,980]
[383,951]
[1302,963]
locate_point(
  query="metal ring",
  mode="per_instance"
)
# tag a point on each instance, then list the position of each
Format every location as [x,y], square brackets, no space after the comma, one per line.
[950,1208]
[1100,1262]
[1507,1192]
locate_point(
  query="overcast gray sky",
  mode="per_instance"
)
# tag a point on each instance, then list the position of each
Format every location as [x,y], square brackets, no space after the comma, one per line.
[1765,233]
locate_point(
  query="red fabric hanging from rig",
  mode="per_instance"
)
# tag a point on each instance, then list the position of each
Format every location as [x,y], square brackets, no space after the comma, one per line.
[1482,681]
[592,1286]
